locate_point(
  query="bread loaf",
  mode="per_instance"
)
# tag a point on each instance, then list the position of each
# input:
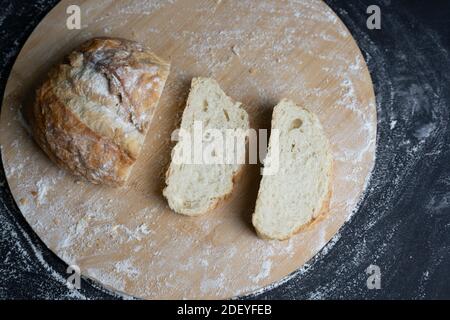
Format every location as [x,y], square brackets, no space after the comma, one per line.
[93,111]
[195,188]
[299,191]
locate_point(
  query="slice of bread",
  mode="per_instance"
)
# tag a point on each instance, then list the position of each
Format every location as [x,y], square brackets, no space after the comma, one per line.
[292,197]
[197,187]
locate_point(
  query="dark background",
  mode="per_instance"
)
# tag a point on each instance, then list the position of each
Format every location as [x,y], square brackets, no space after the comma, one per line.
[403,224]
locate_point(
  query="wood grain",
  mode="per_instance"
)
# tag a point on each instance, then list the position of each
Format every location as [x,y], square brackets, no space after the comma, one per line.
[259,51]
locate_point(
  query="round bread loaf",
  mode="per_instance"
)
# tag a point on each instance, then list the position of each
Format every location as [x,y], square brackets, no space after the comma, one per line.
[93,111]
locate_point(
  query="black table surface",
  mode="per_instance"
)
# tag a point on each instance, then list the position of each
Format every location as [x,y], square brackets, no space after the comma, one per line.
[403,222]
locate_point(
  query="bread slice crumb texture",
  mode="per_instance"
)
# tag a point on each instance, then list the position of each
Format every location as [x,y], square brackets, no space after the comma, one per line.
[195,188]
[295,194]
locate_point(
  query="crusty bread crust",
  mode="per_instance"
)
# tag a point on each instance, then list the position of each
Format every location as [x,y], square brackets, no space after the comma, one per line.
[72,145]
[88,143]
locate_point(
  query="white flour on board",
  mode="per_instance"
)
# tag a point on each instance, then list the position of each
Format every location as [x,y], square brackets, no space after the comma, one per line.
[98,224]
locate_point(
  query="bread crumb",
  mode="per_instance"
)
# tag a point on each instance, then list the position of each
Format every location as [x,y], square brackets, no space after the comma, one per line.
[235,50]
[23,201]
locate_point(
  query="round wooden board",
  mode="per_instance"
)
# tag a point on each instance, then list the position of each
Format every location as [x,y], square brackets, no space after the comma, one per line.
[259,51]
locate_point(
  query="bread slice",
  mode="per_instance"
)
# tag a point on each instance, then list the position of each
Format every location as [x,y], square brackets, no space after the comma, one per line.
[197,187]
[299,191]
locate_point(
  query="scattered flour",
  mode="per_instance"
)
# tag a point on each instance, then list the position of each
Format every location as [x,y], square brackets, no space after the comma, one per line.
[98,228]
[109,279]
[393,124]
[127,267]
[264,273]
[208,285]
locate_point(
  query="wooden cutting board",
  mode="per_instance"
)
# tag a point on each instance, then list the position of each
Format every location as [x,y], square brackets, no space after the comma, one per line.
[259,51]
